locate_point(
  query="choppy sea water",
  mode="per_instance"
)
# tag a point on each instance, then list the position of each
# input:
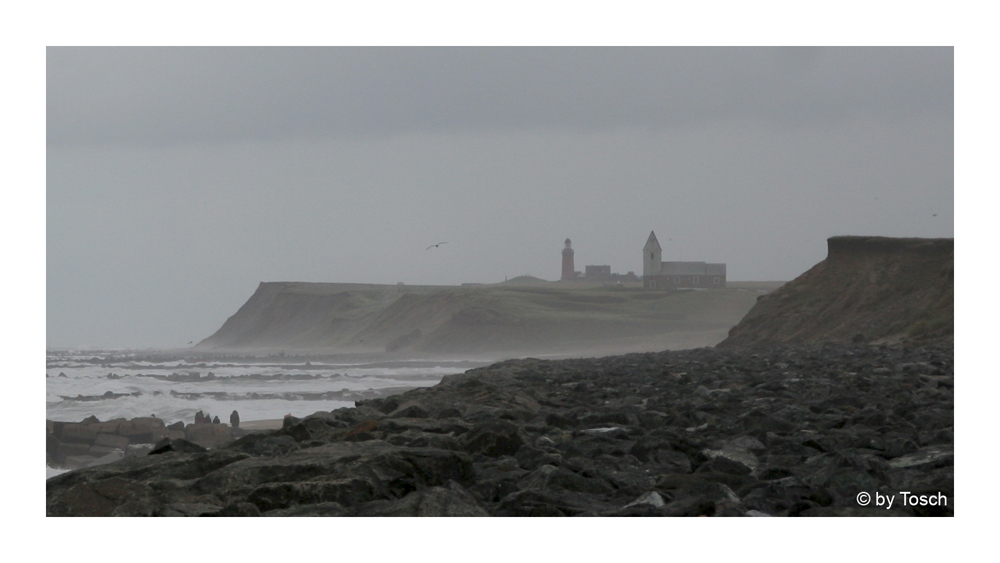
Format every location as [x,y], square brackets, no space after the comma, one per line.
[112,385]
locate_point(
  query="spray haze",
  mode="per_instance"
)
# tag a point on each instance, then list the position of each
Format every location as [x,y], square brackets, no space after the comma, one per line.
[180,178]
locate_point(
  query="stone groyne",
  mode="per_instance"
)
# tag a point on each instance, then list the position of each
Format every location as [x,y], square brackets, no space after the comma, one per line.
[73,445]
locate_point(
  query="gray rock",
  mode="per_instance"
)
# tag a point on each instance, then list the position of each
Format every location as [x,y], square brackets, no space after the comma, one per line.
[934,456]
[651,498]
[435,501]
[570,437]
[493,439]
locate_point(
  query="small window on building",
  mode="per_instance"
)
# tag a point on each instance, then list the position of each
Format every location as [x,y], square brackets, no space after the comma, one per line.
[677,281]
[695,281]
[716,281]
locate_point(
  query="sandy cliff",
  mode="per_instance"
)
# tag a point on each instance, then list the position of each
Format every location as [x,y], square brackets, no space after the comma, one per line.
[869,289]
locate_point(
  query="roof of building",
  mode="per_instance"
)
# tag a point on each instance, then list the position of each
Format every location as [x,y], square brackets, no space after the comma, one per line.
[651,242]
[682,269]
[692,269]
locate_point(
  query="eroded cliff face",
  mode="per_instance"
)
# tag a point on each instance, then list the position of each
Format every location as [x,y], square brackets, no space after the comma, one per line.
[869,289]
[302,315]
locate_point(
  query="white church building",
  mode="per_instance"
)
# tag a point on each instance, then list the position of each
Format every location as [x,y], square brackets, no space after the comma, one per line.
[657,274]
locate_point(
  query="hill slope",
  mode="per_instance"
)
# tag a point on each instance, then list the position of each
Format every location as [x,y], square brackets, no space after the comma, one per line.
[869,289]
[480,319]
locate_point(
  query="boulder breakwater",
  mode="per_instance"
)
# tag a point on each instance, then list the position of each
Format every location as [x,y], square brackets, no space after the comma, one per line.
[807,430]
[89,443]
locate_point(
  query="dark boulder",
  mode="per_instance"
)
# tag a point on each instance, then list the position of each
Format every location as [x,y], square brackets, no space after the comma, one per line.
[783,431]
[434,501]
[175,445]
[494,438]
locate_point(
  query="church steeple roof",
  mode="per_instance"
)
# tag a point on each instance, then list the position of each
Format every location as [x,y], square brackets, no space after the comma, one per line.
[652,243]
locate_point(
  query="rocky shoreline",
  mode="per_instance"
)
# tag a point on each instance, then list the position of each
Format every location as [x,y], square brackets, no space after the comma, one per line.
[795,430]
[91,442]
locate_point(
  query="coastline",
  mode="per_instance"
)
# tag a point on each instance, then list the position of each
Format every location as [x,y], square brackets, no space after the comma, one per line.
[768,431]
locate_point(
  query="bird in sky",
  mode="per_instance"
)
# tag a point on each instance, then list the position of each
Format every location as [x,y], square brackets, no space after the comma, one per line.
[435,245]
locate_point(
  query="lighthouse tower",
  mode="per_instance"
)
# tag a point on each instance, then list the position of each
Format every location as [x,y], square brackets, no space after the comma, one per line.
[568,271]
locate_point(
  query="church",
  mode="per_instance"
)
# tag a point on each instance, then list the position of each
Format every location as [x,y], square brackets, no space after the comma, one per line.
[657,274]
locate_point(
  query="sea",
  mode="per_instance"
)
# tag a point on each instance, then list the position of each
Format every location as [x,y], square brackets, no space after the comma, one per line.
[174,386]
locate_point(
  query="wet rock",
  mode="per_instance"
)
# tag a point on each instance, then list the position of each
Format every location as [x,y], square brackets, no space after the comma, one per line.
[189,509]
[416,439]
[317,509]
[180,445]
[114,496]
[493,439]
[652,498]
[434,501]
[72,449]
[729,459]
[782,431]
[412,410]
[236,509]
[550,502]
[531,458]
[105,457]
[934,456]
[551,477]
[724,465]
[452,426]
[78,433]
[143,430]
[308,430]
[264,445]
[79,461]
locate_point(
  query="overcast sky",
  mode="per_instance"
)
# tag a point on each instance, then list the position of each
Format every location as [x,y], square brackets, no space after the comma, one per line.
[180,178]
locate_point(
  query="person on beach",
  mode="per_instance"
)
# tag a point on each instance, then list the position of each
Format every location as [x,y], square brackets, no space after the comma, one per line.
[216,420]
[234,419]
[199,417]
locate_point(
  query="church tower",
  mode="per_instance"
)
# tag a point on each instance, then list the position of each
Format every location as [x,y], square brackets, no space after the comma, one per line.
[568,271]
[652,256]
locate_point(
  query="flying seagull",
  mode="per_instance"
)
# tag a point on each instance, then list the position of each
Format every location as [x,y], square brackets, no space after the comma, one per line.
[435,245]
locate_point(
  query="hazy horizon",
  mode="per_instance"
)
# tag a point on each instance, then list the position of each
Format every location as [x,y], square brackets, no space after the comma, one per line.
[178,179]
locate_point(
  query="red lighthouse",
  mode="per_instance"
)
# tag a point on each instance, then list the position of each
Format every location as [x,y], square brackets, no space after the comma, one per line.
[568,272]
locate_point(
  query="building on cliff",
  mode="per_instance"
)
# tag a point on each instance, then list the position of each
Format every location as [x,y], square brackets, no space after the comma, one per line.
[603,274]
[657,274]
[568,272]
[592,273]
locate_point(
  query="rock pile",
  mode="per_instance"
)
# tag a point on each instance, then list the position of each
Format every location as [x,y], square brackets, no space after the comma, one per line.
[91,442]
[782,431]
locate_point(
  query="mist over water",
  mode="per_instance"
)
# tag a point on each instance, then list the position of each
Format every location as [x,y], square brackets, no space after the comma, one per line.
[122,385]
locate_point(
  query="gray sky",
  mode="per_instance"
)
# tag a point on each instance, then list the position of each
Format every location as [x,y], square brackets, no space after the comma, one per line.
[180,178]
